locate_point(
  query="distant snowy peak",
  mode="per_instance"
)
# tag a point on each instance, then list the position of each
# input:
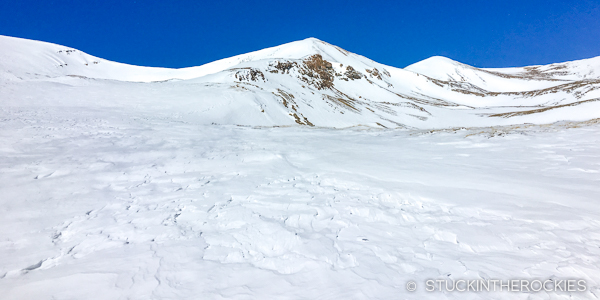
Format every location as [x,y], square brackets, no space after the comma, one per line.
[22,57]
[572,70]
[313,83]
[507,79]
[27,59]
[438,67]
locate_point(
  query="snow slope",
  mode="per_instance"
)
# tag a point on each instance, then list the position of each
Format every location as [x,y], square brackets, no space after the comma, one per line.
[509,79]
[236,180]
[115,204]
[309,83]
[33,59]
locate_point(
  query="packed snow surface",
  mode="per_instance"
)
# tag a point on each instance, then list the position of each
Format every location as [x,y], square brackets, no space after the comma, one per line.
[112,188]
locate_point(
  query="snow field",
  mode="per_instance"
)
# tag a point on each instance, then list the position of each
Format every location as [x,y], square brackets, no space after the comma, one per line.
[103,204]
[127,182]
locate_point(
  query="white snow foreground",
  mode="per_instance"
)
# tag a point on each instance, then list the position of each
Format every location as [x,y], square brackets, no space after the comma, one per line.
[112,187]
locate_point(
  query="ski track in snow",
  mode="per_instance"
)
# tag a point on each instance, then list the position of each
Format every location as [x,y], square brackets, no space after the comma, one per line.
[101,204]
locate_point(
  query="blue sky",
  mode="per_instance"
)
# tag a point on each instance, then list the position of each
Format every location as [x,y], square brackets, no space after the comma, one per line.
[398,33]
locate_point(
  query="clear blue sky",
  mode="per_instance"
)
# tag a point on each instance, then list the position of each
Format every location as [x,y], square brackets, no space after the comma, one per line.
[398,33]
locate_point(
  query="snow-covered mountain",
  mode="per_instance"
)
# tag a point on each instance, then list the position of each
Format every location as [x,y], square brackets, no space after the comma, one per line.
[117,181]
[308,82]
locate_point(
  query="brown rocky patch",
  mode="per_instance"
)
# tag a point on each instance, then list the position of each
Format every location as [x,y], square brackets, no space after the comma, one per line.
[535,111]
[352,74]
[284,67]
[317,72]
[249,74]
[374,73]
[286,98]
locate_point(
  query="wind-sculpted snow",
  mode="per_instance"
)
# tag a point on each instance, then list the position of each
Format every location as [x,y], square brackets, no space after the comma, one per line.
[271,175]
[109,204]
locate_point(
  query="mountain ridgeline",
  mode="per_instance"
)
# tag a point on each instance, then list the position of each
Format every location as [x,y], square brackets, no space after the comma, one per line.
[305,83]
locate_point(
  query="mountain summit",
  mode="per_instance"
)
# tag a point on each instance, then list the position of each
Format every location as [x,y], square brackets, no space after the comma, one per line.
[308,83]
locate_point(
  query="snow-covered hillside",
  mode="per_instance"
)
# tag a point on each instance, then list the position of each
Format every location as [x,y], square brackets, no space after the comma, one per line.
[238,180]
[309,83]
